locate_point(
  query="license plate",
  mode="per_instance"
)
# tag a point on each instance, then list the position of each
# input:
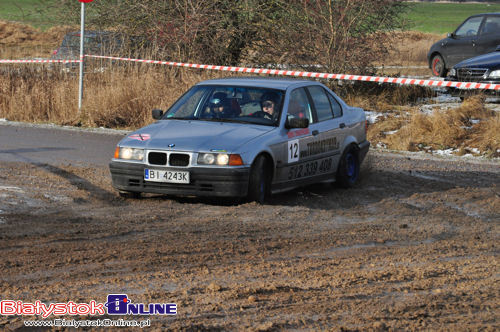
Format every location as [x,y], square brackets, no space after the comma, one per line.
[166,176]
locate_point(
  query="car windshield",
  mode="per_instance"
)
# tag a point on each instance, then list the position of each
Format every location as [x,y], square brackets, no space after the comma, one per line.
[228,104]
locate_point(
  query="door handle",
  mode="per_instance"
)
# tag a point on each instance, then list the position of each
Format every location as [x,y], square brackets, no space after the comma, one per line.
[342,125]
[315,132]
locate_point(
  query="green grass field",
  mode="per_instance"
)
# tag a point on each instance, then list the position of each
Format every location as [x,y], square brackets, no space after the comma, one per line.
[426,17]
[443,17]
[32,12]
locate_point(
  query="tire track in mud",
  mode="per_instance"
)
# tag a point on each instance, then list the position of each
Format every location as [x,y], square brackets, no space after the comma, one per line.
[397,251]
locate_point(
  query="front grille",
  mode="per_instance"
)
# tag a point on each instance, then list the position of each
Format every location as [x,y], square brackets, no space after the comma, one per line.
[471,74]
[178,159]
[134,182]
[157,158]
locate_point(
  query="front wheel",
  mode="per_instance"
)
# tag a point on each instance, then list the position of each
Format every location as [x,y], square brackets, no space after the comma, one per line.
[259,187]
[438,66]
[348,171]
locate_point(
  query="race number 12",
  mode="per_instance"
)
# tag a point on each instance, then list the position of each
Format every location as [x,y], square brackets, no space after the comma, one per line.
[293,151]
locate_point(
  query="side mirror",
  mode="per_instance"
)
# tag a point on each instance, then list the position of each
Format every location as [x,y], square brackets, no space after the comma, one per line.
[157,114]
[451,35]
[296,123]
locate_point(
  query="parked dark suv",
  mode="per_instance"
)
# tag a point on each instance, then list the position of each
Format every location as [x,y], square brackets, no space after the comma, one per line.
[96,42]
[479,34]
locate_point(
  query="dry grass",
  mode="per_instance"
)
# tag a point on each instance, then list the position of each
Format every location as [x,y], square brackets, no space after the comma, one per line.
[121,97]
[373,96]
[410,48]
[19,40]
[454,128]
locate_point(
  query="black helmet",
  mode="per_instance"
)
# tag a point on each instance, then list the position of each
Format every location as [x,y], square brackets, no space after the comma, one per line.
[218,99]
[272,96]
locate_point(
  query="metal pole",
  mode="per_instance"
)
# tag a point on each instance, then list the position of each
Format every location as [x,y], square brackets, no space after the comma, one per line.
[80,85]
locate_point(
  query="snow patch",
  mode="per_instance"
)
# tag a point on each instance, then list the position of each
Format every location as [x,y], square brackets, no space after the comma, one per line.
[446,98]
[372,117]
[447,152]
[10,188]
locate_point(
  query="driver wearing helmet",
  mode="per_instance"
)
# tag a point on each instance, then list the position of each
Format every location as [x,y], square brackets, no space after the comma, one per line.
[219,107]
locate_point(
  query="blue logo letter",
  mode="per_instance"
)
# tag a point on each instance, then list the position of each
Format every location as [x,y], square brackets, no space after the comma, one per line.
[117,304]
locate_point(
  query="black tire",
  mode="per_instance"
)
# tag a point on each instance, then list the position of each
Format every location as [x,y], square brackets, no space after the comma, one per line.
[438,66]
[259,186]
[348,171]
[129,194]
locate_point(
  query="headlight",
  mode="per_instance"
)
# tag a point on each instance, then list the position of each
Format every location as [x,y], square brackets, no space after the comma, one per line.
[206,158]
[494,74]
[129,153]
[453,72]
[220,159]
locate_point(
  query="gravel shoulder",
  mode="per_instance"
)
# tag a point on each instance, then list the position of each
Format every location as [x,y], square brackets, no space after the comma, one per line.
[413,246]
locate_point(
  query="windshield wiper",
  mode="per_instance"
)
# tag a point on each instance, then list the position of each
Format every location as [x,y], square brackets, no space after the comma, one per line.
[178,118]
[221,120]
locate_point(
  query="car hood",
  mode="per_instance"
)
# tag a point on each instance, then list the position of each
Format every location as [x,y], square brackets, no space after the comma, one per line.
[194,135]
[489,61]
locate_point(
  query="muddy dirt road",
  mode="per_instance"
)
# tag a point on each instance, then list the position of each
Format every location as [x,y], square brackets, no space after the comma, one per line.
[413,246]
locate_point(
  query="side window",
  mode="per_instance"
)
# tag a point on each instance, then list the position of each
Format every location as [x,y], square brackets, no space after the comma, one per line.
[491,26]
[321,103]
[299,105]
[470,27]
[337,109]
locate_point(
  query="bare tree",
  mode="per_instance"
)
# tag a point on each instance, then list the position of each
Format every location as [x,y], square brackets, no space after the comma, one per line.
[339,35]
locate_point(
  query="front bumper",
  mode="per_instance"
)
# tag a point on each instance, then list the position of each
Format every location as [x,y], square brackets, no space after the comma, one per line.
[204,181]
[490,81]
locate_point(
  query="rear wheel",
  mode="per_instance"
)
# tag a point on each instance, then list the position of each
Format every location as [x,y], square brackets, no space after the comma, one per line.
[438,66]
[348,171]
[259,186]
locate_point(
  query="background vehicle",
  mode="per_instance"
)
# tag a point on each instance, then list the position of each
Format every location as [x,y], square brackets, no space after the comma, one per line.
[479,34]
[240,152]
[484,68]
[99,43]
[96,42]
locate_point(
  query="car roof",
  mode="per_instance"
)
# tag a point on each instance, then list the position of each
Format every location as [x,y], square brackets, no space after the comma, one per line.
[262,82]
[483,14]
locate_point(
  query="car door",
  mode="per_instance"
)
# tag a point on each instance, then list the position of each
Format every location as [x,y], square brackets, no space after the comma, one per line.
[330,128]
[462,45]
[489,37]
[293,163]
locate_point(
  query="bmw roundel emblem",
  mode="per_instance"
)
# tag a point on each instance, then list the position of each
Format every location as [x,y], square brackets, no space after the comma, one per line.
[171,145]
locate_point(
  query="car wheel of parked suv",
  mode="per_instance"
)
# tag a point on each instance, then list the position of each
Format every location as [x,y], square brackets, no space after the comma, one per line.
[438,66]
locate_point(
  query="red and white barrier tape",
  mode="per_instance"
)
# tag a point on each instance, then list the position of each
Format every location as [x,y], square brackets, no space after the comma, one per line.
[394,80]
[377,79]
[38,61]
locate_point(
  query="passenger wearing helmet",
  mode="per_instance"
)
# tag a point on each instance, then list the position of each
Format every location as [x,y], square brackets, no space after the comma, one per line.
[269,103]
